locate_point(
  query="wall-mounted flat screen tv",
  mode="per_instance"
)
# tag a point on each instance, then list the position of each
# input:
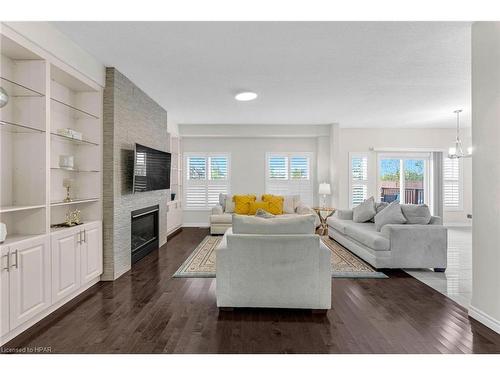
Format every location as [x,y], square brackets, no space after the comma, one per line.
[151,169]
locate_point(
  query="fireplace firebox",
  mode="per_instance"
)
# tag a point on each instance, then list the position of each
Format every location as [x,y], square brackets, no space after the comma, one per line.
[144,232]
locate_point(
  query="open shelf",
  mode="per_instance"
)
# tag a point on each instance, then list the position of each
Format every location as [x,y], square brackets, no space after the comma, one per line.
[77,112]
[73,140]
[5,209]
[12,127]
[74,170]
[74,201]
[15,89]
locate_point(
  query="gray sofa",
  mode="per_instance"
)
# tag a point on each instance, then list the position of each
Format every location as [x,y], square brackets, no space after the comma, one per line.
[396,245]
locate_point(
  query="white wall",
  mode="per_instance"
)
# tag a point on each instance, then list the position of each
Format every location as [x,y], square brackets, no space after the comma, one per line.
[485,305]
[248,156]
[50,39]
[361,140]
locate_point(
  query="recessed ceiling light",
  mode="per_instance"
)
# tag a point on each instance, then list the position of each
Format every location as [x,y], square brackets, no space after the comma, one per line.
[245,96]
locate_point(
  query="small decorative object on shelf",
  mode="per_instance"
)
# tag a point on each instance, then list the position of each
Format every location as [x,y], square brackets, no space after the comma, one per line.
[70,133]
[67,184]
[4,97]
[66,161]
[3,232]
[72,218]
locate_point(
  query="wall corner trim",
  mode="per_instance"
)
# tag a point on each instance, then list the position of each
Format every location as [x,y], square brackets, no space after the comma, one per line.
[484,318]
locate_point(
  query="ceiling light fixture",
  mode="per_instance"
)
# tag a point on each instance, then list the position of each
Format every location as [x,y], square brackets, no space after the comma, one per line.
[246,96]
[457,151]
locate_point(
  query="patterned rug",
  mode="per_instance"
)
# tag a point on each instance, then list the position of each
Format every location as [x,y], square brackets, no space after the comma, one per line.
[201,262]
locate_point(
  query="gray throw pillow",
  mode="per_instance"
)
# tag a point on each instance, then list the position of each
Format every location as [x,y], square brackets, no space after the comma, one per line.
[390,215]
[364,211]
[379,207]
[416,213]
[263,213]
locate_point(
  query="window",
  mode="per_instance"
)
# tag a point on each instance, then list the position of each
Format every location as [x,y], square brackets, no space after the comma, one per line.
[207,175]
[290,174]
[358,170]
[452,184]
[404,177]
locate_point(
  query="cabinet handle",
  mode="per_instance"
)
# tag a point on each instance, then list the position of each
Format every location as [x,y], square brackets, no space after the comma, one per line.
[16,254]
[8,262]
[85,235]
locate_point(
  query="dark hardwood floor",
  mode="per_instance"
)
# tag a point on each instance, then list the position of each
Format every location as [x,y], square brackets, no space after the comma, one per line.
[147,311]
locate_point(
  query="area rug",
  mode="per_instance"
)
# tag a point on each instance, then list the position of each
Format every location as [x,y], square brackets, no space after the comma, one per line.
[201,262]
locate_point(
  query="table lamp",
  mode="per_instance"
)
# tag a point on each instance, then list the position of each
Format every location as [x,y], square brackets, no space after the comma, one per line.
[324,190]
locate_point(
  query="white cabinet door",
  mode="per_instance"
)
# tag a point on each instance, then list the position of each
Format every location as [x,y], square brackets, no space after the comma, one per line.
[91,252]
[4,290]
[65,249]
[29,279]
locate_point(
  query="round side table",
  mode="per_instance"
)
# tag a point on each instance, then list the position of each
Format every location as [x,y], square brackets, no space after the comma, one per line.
[323,227]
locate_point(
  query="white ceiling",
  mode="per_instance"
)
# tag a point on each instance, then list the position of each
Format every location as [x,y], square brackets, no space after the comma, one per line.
[359,74]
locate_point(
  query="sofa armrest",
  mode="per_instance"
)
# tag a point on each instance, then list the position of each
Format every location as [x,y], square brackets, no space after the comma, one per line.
[417,246]
[217,210]
[436,220]
[345,214]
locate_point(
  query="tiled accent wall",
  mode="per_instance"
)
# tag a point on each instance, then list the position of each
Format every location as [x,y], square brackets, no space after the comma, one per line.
[130,116]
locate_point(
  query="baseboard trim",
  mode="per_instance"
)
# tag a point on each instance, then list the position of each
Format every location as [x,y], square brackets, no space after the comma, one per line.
[196,225]
[484,318]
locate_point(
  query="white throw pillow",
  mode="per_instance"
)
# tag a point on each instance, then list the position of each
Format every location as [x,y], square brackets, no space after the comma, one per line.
[390,215]
[290,203]
[229,205]
[303,224]
[416,213]
[364,211]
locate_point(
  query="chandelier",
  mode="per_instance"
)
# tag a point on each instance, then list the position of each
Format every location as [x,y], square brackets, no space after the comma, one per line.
[457,151]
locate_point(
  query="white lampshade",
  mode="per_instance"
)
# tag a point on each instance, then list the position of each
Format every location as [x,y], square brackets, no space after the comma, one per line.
[324,188]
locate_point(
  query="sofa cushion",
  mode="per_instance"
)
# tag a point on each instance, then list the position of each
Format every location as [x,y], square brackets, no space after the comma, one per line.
[275,203]
[379,207]
[221,219]
[367,234]
[242,203]
[416,213]
[364,211]
[297,224]
[338,224]
[223,198]
[390,215]
[229,207]
[254,206]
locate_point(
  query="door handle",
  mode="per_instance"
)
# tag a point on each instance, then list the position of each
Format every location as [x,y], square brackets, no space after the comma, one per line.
[8,262]
[16,254]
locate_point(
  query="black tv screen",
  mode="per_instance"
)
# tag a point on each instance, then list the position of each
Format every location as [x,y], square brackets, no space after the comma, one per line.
[151,169]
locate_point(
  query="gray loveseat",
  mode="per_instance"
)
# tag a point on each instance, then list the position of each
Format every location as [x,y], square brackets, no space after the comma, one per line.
[396,245]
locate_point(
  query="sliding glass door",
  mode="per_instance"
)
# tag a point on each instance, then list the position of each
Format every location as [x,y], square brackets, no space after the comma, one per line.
[404,177]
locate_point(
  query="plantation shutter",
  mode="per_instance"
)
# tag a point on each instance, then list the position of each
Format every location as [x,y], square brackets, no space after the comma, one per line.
[359,179]
[452,195]
[290,174]
[207,176]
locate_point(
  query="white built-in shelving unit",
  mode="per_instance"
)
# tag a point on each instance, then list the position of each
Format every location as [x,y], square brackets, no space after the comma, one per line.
[43,267]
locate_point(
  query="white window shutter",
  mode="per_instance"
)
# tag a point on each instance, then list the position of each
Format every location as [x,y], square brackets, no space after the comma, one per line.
[358,171]
[452,189]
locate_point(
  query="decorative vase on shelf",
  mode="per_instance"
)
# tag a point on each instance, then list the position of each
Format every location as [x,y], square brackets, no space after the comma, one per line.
[3,232]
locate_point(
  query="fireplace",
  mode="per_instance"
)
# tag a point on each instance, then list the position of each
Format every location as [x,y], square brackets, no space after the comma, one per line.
[144,232]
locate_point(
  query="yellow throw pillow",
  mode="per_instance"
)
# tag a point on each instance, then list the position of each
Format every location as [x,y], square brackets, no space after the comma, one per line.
[242,203]
[254,206]
[275,203]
